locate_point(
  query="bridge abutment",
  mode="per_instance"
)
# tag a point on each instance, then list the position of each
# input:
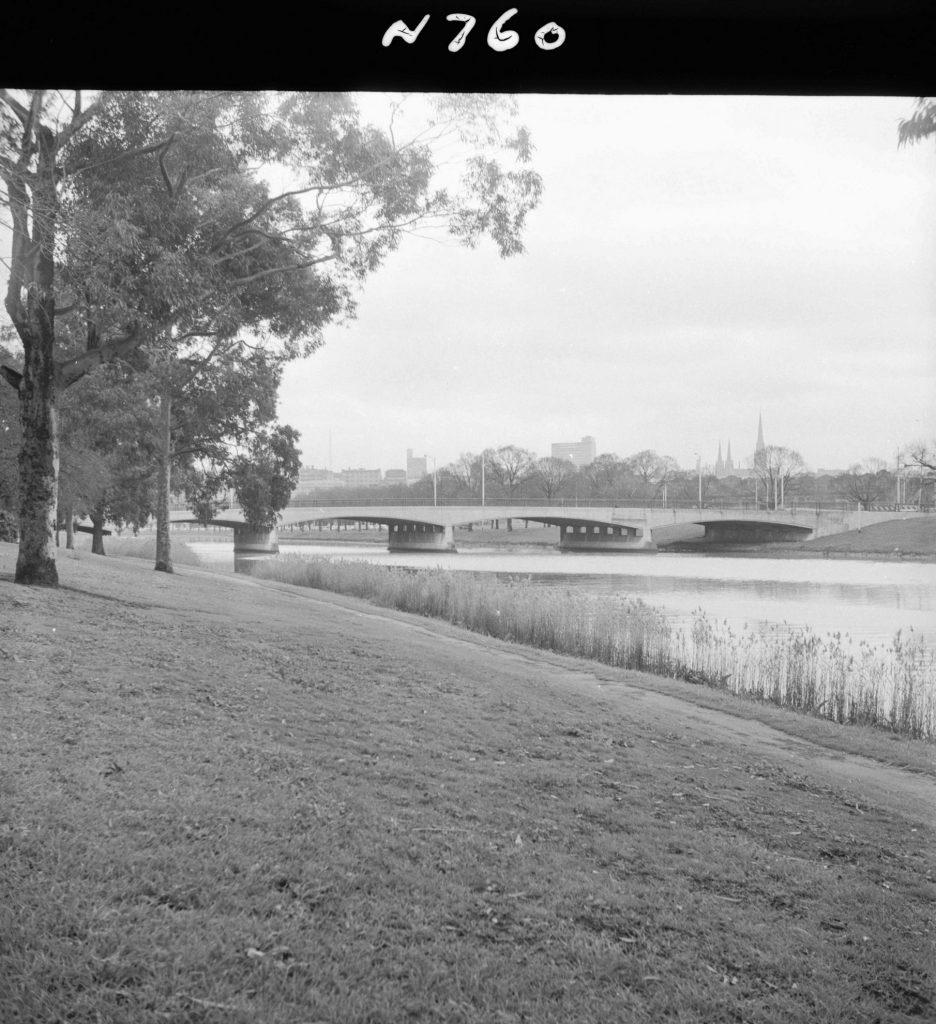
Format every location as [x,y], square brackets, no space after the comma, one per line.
[251,544]
[590,537]
[420,537]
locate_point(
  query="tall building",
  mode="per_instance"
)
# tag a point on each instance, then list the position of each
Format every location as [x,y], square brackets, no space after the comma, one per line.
[579,453]
[415,467]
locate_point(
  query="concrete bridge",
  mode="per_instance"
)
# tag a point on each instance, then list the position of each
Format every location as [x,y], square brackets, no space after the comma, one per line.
[582,527]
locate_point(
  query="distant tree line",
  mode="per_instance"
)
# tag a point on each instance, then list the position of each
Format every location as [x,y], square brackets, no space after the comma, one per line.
[777,478]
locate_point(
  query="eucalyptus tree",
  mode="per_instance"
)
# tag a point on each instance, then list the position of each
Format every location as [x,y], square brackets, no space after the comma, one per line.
[10,442]
[108,446]
[921,124]
[143,220]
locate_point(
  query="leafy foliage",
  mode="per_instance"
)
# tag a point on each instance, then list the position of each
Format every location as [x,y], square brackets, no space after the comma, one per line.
[265,477]
[920,125]
[141,221]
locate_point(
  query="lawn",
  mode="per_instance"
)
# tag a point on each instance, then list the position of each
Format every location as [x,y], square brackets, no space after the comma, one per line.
[228,801]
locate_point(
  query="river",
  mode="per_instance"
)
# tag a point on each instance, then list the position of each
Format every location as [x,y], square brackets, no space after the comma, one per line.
[863,600]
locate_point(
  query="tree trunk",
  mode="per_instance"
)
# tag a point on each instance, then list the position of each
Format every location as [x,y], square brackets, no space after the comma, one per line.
[38,466]
[30,304]
[164,474]
[97,527]
[70,528]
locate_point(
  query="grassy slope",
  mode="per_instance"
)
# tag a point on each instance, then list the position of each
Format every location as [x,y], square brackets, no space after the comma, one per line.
[911,536]
[226,803]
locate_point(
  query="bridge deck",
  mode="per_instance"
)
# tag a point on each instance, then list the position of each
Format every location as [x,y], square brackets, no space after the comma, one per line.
[819,522]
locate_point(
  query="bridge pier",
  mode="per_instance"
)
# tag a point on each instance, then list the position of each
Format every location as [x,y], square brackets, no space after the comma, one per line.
[420,537]
[590,537]
[250,545]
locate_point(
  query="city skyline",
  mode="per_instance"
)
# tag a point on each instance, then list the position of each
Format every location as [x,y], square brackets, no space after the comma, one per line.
[695,260]
[719,465]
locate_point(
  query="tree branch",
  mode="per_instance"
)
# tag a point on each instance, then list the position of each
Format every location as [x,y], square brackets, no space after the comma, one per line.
[285,270]
[140,151]
[11,376]
[79,119]
[114,348]
[162,165]
[21,112]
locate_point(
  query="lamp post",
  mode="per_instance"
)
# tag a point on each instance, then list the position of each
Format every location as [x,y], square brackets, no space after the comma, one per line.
[435,492]
[482,479]
[898,478]
[699,468]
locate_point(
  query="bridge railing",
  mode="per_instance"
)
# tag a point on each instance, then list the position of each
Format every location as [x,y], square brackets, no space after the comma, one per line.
[564,503]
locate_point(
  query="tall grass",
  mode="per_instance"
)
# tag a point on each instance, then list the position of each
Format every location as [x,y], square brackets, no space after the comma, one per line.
[891,686]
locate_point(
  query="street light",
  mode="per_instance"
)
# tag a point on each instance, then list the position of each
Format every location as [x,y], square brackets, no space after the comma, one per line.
[435,492]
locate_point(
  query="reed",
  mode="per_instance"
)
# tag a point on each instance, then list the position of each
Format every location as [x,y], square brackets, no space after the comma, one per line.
[892,686]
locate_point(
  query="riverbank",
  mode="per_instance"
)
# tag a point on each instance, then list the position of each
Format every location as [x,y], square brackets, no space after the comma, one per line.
[228,800]
[895,541]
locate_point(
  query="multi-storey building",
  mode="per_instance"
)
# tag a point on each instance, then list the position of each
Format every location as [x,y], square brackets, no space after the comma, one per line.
[579,453]
[361,477]
[415,467]
[311,479]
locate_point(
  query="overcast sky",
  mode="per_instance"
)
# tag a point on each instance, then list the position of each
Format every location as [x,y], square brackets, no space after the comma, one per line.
[695,262]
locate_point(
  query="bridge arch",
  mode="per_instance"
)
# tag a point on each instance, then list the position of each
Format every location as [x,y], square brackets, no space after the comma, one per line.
[752,531]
